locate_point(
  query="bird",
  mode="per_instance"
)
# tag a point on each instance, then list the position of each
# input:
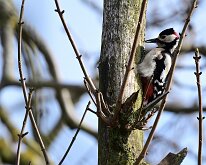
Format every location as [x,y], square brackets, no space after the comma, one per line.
[156,64]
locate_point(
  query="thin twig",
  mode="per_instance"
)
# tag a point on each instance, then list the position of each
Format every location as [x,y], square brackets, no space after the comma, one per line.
[100,114]
[162,105]
[130,62]
[24,89]
[94,91]
[89,109]
[154,110]
[75,135]
[105,108]
[89,92]
[43,148]
[22,134]
[78,55]
[200,118]
[22,79]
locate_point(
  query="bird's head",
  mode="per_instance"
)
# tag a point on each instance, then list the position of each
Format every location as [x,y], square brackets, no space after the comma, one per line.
[167,39]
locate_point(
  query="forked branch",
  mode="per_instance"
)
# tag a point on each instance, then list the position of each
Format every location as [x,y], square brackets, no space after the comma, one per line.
[77,53]
[99,102]
[24,89]
[22,134]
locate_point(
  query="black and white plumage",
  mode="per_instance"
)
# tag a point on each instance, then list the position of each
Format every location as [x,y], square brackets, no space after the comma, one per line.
[156,64]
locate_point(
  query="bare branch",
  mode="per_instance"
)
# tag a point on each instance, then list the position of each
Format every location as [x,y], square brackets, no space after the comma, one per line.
[162,105]
[78,55]
[22,79]
[200,118]
[22,134]
[89,92]
[91,85]
[75,135]
[105,108]
[100,114]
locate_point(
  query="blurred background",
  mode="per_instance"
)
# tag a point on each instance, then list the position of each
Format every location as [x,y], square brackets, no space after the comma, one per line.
[60,98]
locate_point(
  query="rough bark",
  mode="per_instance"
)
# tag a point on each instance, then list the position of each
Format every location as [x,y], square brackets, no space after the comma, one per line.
[116,145]
[174,159]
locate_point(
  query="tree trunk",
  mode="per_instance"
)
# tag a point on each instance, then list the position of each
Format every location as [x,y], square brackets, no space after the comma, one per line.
[117,145]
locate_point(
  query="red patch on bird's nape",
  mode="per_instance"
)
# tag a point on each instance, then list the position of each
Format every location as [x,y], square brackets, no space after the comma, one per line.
[177,35]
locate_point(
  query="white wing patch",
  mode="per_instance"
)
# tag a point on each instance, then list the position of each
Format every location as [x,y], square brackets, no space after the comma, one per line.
[148,65]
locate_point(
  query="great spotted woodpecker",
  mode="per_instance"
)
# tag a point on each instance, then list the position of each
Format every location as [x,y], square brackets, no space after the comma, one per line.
[156,64]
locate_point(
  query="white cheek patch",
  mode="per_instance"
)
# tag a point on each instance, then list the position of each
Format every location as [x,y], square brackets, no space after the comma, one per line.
[170,38]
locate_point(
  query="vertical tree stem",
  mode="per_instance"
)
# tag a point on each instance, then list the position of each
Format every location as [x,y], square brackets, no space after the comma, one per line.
[118,145]
[200,118]
[131,60]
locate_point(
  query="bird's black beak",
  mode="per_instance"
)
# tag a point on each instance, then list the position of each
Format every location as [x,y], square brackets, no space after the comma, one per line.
[154,40]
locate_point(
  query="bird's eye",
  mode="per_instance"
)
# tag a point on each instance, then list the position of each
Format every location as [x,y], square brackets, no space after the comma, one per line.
[163,36]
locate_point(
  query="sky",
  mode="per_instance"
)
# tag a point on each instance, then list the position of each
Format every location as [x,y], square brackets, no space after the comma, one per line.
[85,26]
